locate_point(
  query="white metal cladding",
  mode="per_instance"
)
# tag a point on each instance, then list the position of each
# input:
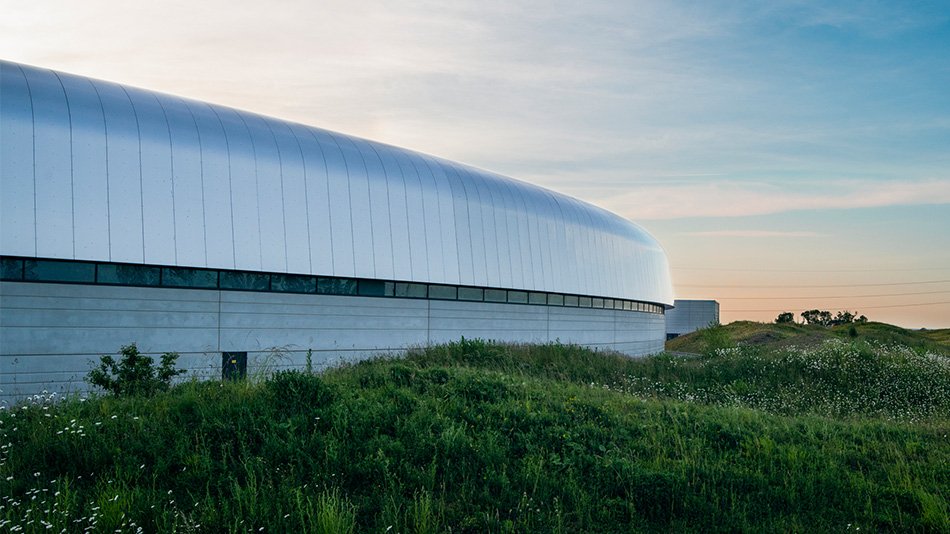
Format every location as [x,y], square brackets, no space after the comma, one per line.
[91,170]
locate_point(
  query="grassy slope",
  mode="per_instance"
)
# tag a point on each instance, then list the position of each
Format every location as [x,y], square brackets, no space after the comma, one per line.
[770,335]
[476,437]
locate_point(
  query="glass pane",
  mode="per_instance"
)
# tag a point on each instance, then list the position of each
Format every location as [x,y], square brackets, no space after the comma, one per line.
[537,298]
[293,283]
[336,286]
[375,288]
[59,271]
[470,293]
[11,269]
[555,300]
[496,295]
[248,281]
[583,302]
[597,303]
[442,292]
[182,277]
[609,304]
[415,291]
[128,275]
[518,297]
[570,300]
[627,305]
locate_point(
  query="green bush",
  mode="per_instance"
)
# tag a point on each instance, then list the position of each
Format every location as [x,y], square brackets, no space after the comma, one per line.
[135,373]
[715,337]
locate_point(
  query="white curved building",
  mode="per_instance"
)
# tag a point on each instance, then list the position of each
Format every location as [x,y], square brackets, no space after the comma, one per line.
[129,215]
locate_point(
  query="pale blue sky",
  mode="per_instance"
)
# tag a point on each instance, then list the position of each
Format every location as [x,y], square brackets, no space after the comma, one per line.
[773,136]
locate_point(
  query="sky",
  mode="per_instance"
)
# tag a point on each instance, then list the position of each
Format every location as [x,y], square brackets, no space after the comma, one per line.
[788,155]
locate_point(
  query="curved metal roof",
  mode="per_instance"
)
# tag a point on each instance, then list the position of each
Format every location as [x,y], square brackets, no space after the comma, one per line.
[92,170]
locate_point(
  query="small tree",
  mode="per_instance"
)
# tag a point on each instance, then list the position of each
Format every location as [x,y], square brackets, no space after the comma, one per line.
[785,318]
[819,317]
[135,373]
[861,320]
[843,317]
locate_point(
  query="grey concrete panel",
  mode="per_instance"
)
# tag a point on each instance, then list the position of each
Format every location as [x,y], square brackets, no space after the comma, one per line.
[52,331]
[691,315]
[18,229]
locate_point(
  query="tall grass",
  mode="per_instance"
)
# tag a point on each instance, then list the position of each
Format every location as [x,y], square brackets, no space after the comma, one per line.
[473,436]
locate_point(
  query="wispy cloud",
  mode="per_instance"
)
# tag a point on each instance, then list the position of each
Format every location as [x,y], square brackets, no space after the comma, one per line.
[751,233]
[738,199]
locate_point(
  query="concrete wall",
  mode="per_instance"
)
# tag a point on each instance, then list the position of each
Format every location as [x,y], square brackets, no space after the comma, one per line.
[691,315]
[51,334]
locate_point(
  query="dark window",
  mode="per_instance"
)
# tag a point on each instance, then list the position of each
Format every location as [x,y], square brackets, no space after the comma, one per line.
[59,271]
[11,269]
[583,302]
[570,300]
[518,297]
[496,295]
[375,288]
[555,300]
[246,281]
[537,298]
[442,292]
[471,293]
[414,291]
[182,277]
[597,303]
[627,305]
[128,275]
[336,286]
[609,304]
[293,283]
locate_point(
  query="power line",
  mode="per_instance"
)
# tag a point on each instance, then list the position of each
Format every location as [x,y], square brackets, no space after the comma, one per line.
[839,296]
[862,307]
[714,286]
[724,269]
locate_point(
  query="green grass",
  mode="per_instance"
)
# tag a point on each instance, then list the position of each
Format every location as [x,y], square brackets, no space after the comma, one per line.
[476,437]
[779,336]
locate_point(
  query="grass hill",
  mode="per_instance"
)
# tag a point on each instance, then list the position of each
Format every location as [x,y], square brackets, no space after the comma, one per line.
[777,336]
[478,437]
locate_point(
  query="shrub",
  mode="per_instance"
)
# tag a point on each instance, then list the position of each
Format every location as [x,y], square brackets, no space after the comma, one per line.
[785,318]
[135,373]
[715,337]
